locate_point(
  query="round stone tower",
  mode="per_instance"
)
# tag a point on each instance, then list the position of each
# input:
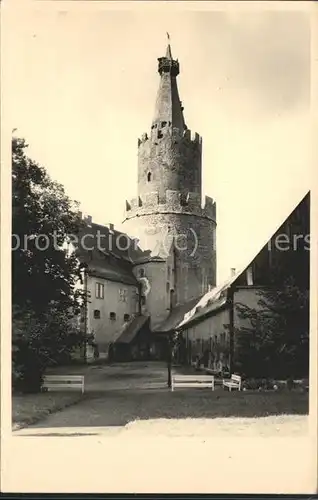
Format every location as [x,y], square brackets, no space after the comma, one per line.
[168,216]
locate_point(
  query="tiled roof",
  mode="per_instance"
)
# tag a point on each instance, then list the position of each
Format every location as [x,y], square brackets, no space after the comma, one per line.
[217,297]
[211,301]
[175,316]
[104,239]
[112,272]
[132,329]
[98,247]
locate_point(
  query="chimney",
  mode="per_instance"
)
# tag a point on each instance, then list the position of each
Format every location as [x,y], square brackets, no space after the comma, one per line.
[88,220]
[111,228]
[233,271]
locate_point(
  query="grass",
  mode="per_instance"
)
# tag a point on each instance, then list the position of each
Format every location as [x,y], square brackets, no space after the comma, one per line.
[115,396]
[28,409]
[118,408]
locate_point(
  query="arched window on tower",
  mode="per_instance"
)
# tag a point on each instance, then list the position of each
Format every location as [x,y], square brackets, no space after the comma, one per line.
[149,176]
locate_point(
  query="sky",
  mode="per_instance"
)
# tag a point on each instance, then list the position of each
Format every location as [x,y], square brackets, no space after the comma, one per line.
[80,86]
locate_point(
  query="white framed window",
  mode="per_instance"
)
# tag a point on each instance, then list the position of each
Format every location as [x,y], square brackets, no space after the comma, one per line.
[249,276]
[123,294]
[99,290]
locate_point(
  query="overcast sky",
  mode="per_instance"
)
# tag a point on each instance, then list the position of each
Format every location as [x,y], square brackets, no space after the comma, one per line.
[80,86]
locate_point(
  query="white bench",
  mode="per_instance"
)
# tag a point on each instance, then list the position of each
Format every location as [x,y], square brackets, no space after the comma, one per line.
[206,381]
[235,382]
[55,382]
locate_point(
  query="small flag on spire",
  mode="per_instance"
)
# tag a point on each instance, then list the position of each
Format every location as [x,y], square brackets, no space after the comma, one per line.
[168,36]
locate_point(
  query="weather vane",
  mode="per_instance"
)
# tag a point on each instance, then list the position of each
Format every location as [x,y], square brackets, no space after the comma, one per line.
[168,36]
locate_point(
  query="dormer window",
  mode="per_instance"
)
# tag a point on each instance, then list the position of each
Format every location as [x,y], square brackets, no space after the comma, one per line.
[149,176]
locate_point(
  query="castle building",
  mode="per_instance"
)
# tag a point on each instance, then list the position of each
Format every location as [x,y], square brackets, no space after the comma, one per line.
[209,329]
[158,277]
[168,261]
[167,215]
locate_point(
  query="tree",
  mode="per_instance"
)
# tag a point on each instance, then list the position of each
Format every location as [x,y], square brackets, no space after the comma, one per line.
[44,274]
[274,341]
[273,338]
[43,218]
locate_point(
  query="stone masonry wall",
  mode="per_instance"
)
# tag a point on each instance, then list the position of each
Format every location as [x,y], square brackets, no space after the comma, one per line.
[170,201]
[195,248]
[169,160]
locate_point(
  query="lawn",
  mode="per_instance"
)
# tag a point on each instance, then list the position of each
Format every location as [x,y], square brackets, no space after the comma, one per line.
[119,394]
[30,408]
[199,403]
[119,408]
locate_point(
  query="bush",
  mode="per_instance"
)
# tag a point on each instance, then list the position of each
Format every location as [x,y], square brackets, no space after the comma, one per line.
[39,343]
[255,384]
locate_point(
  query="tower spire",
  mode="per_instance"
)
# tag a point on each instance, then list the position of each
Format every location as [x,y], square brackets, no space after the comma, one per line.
[168,105]
[168,51]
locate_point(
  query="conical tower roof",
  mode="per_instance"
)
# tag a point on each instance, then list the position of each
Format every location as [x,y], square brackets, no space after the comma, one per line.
[168,105]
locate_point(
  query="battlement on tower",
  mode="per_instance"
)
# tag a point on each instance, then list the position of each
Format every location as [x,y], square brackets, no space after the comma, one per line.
[209,208]
[171,202]
[192,136]
[163,133]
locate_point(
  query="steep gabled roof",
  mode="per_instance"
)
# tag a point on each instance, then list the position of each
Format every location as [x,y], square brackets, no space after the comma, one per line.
[218,296]
[132,329]
[211,301]
[175,316]
[105,254]
[112,272]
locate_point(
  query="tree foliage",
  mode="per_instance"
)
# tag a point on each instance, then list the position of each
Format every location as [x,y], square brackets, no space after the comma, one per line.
[44,273]
[42,216]
[273,339]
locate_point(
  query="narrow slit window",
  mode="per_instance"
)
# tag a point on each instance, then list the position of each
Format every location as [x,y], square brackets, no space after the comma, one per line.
[149,176]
